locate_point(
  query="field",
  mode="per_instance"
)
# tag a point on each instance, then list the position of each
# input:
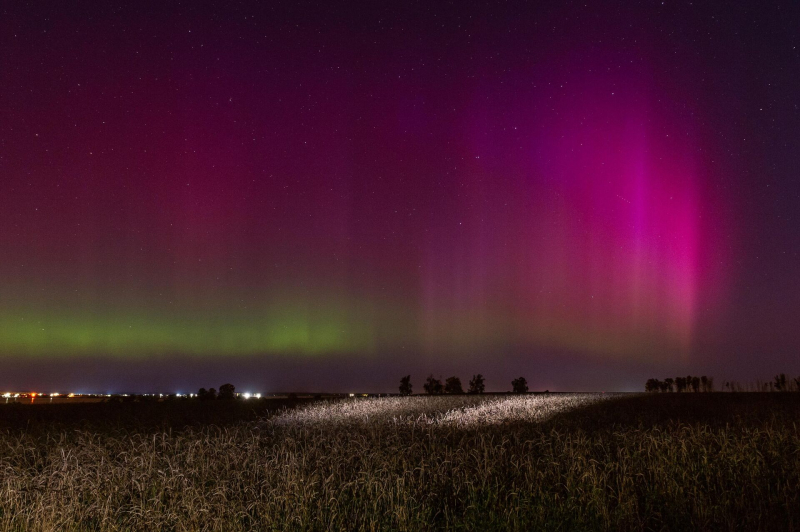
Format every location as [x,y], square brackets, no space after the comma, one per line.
[689,461]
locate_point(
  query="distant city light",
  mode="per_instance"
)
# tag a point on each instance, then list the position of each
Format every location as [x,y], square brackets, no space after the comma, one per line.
[34,395]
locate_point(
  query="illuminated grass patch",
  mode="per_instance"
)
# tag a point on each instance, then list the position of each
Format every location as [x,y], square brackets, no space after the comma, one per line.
[448,410]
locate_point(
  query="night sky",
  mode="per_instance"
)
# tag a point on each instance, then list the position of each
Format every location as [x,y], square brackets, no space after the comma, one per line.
[302,196]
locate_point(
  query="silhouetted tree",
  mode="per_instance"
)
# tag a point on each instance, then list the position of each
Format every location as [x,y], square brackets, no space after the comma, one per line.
[405,385]
[477,384]
[706,384]
[519,385]
[681,384]
[780,382]
[205,395]
[227,391]
[433,386]
[453,385]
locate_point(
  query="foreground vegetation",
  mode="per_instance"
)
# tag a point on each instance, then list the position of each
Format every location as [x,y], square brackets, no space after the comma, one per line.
[548,461]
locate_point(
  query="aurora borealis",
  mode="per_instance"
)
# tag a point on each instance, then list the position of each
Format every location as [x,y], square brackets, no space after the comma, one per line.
[331,196]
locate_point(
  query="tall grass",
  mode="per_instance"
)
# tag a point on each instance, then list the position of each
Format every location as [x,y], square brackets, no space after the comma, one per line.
[447,410]
[430,463]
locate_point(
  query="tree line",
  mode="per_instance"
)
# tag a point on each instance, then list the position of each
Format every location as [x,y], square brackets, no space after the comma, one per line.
[781,383]
[452,385]
[226,391]
[680,384]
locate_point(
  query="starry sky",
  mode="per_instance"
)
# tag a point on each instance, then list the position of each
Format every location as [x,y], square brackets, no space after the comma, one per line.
[327,196]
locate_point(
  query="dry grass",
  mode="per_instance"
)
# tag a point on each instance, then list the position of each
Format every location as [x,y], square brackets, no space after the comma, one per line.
[447,410]
[465,463]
